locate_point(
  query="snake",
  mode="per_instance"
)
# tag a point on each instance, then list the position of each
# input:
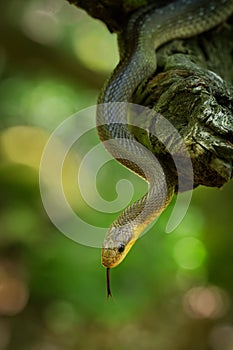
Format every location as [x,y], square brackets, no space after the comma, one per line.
[148,28]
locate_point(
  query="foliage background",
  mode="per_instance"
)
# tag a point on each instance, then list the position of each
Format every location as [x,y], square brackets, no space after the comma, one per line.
[172,292]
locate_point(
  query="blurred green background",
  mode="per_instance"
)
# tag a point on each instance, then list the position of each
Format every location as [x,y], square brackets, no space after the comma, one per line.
[174,291]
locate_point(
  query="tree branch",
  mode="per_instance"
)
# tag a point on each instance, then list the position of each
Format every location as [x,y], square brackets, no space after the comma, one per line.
[191,88]
[114,13]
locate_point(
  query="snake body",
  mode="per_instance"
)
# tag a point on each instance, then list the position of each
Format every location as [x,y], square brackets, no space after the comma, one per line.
[147,29]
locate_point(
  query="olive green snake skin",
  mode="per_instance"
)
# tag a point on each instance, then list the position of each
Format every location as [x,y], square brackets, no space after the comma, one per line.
[147,29]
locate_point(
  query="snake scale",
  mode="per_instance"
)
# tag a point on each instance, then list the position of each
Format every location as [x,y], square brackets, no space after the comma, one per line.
[147,29]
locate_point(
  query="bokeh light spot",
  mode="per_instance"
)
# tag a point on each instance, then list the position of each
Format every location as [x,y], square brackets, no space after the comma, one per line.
[23,144]
[94,46]
[189,253]
[60,316]
[13,295]
[41,24]
[50,102]
[206,302]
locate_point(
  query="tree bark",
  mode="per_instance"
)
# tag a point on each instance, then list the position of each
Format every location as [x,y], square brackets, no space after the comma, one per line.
[114,13]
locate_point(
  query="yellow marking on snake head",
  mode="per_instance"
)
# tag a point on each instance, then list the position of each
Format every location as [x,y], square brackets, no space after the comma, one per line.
[115,250]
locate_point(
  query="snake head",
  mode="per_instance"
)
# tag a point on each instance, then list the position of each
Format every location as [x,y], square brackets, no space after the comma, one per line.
[117,244]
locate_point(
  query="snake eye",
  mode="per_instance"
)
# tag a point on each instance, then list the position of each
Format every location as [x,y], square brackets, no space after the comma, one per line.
[121,248]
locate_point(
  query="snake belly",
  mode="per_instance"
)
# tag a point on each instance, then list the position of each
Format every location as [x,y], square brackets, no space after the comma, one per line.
[147,29]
